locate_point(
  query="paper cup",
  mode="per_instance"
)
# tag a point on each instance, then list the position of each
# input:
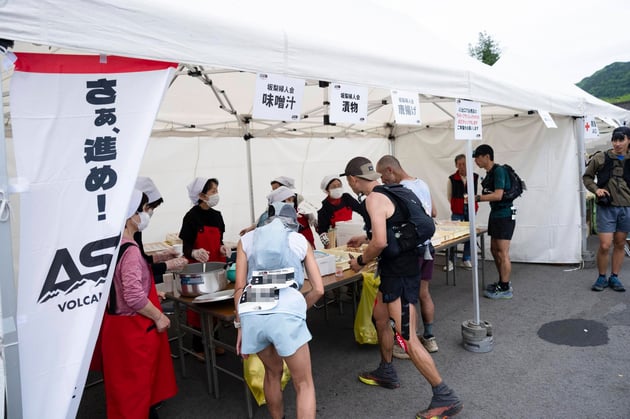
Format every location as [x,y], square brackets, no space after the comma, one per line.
[179,248]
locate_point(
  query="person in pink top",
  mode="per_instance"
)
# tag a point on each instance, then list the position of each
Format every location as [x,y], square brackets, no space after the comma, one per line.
[136,356]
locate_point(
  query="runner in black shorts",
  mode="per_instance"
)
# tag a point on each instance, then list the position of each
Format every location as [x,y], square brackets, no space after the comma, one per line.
[501,221]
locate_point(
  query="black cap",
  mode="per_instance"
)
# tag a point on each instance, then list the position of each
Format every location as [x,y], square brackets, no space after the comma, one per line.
[361,167]
[620,132]
[482,150]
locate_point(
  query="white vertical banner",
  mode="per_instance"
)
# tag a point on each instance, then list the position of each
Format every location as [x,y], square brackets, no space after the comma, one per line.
[468,120]
[80,128]
[406,107]
[348,103]
[278,98]
[591,131]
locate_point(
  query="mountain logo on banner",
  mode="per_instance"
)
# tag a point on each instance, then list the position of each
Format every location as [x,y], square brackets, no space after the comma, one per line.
[63,261]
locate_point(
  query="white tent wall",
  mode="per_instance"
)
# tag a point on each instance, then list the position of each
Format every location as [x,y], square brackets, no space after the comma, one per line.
[174,162]
[548,227]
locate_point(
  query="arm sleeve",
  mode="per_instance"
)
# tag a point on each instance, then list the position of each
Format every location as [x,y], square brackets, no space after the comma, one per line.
[591,171]
[323,218]
[158,270]
[188,234]
[132,291]
[449,189]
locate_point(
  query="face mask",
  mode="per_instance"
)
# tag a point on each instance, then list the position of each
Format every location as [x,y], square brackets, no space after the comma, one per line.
[144,220]
[213,200]
[336,193]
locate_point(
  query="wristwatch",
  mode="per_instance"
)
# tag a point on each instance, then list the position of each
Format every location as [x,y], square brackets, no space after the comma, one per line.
[360,260]
[237,324]
[477,198]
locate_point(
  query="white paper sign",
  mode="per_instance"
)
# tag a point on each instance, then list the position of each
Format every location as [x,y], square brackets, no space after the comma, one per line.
[467,120]
[80,128]
[609,121]
[278,98]
[348,103]
[406,107]
[590,128]
[547,119]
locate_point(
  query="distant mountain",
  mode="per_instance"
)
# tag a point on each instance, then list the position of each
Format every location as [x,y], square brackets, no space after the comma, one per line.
[611,83]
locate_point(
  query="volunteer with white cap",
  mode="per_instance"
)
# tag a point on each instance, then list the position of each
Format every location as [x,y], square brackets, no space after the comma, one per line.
[283,181]
[136,356]
[338,206]
[202,236]
[284,194]
[166,260]
[203,226]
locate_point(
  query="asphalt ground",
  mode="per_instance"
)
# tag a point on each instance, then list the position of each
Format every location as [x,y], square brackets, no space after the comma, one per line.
[560,351]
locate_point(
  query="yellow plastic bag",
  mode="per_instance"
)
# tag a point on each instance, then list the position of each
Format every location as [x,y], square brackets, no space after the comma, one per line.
[364,330]
[254,372]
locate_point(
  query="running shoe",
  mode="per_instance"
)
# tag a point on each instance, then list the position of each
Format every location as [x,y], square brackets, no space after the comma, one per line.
[448,267]
[601,283]
[492,287]
[615,283]
[442,407]
[430,344]
[384,376]
[498,292]
[466,264]
[399,352]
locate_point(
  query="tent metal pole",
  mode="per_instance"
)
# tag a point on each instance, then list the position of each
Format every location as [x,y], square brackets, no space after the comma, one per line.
[8,295]
[579,130]
[248,146]
[470,190]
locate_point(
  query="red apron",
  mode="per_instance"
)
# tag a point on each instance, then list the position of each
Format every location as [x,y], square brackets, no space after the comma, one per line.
[210,239]
[305,229]
[137,365]
[342,214]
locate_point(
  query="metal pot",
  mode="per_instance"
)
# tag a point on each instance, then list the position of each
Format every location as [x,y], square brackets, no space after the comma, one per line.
[193,281]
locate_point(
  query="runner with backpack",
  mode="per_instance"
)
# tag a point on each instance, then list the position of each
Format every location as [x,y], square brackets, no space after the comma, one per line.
[502,218]
[394,311]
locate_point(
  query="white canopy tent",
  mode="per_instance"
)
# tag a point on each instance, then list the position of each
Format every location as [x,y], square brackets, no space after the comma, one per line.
[206,114]
[211,102]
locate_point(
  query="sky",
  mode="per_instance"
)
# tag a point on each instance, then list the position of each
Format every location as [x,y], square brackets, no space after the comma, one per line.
[569,40]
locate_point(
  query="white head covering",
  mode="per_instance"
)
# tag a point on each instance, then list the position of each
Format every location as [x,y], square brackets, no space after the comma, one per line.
[147,186]
[326,181]
[285,181]
[195,188]
[280,194]
[134,203]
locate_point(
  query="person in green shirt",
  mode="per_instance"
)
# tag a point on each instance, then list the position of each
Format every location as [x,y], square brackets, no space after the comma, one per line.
[501,221]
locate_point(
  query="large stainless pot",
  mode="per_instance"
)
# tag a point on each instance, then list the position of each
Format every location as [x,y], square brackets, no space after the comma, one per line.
[193,281]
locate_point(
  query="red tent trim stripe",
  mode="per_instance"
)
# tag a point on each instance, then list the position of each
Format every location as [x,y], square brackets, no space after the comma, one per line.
[84,64]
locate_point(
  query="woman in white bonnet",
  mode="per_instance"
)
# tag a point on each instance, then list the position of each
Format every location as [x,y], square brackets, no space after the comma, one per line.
[202,237]
[136,356]
[166,260]
[337,206]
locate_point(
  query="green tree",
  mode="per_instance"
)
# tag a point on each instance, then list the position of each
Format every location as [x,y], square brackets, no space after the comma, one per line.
[487,49]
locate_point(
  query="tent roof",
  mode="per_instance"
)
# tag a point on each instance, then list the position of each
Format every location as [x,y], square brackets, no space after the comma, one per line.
[335,41]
